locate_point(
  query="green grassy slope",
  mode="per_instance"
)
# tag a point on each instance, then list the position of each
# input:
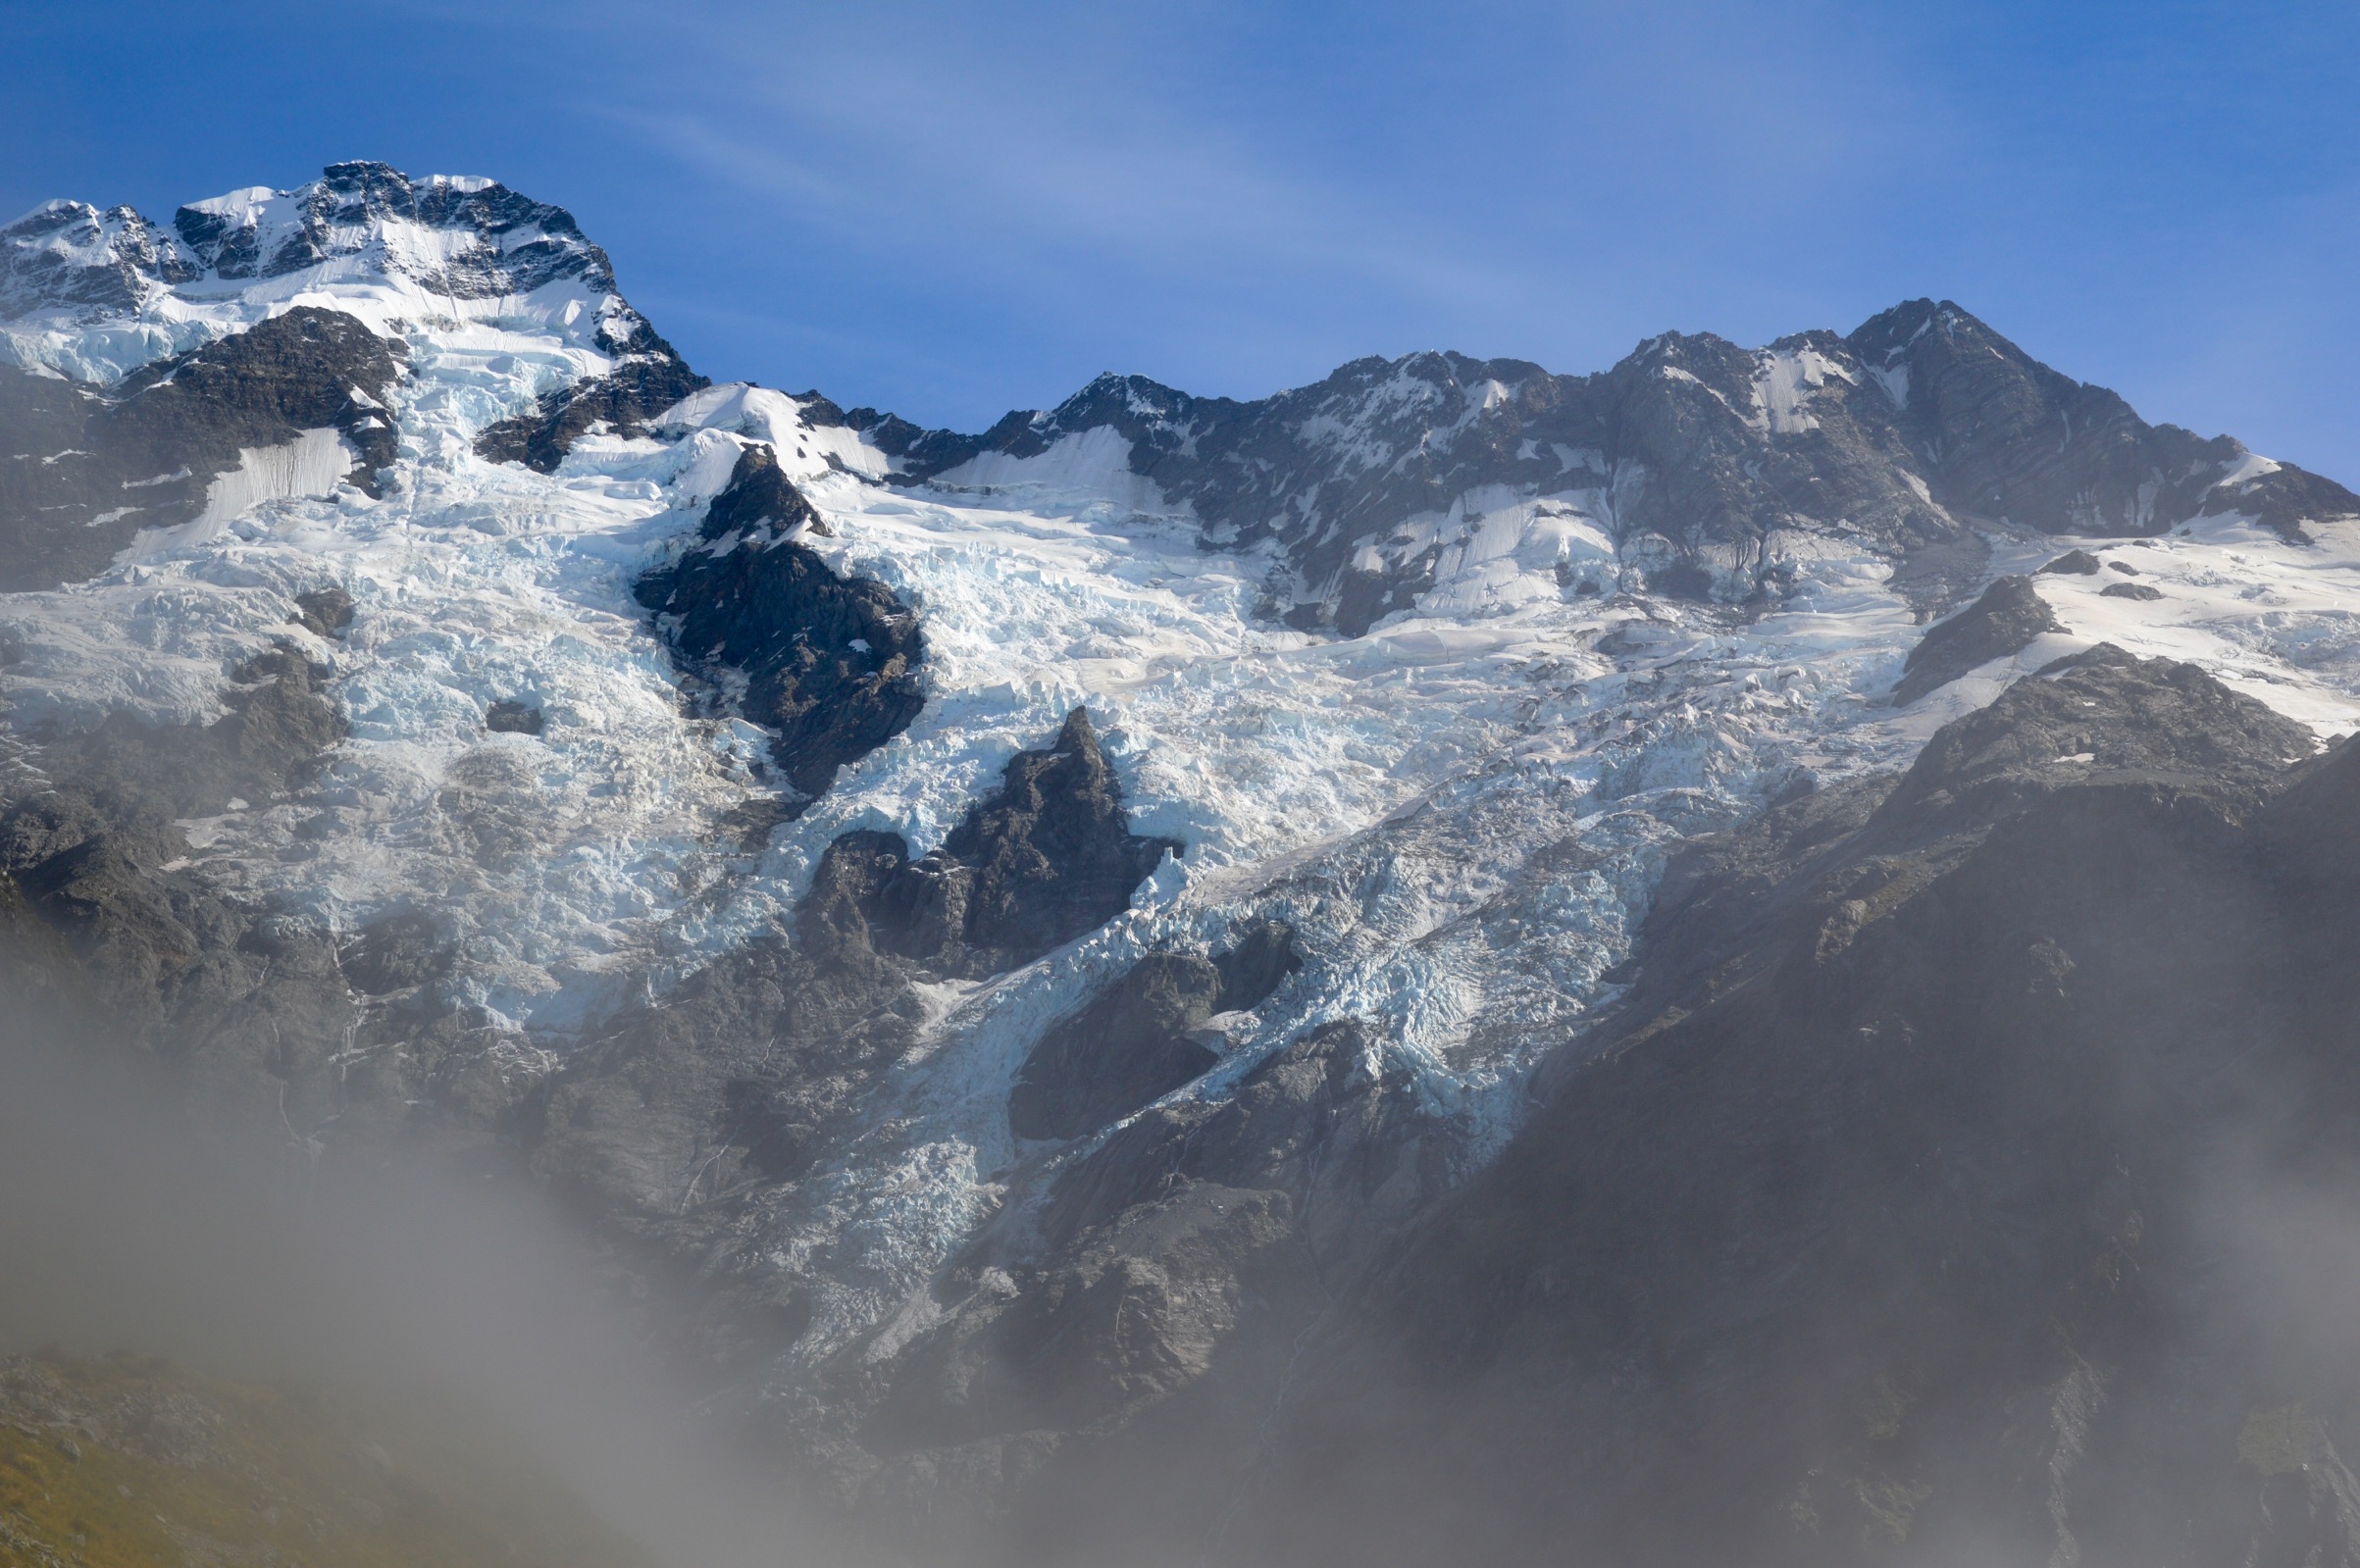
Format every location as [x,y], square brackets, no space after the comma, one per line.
[125,1462]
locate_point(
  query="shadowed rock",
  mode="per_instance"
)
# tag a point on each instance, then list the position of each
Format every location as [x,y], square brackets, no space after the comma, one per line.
[395,954]
[511,716]
[649,378]
[830,662]
[759,497]
[1048,856]
[2004,621]
[2073,563]
[1915,1162]
[82,471]
[1134,1041]
[325,612]
[1910,432]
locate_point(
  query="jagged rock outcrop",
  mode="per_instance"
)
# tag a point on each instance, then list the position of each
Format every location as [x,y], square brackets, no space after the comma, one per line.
[68,255]
[2073,563]
[263,1014]
[1915,1210]
[84,469]
[1106,1359]
[508,716]
[2004,621]
[1045,858]
[1141,1038]
[326,612]
[829,662]
[647,377]
[1862,1217]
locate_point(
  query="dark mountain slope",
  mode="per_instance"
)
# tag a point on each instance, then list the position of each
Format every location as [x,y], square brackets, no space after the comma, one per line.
[83,471]
[1909,1215]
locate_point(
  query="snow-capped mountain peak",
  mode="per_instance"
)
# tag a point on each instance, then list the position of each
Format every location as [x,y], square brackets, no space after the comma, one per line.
[93,295]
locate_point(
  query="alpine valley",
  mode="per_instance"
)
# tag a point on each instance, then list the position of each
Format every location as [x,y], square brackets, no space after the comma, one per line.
[1748,958]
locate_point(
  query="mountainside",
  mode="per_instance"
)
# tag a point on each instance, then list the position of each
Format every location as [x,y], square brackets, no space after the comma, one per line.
[1555,959]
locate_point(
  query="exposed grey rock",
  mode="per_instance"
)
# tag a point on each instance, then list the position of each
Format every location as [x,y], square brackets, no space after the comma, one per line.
[68,255]
[737,1082]
[761,499]
[1045,858]
[649,378]
[325,612]
[82,472]
[2004,621]
[238,995]
[396,953]
[2079,563]
[511,716]
[2129,590]
[831,663]
[1134,1041]
[524,244]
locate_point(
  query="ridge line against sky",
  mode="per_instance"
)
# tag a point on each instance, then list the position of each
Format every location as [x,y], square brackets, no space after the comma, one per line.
[950,211]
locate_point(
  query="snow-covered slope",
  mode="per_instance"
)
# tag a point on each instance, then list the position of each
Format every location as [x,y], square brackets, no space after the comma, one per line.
[94,294]
[1459,811]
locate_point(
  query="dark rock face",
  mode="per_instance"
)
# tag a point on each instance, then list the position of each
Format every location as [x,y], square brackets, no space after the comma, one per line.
[1698,452]
[1916,1213]
[2079,563]
[85,472]
[760,498]
[325,612]
[263,1016]
[1135,1042]
[2129,590]
[68,255]
[830,662]
[397,953]
[649,378]
[1128,1047]
[2004,621]
[278,720]
[510,716]
[1048,857]
[237,990]
[1107,1356]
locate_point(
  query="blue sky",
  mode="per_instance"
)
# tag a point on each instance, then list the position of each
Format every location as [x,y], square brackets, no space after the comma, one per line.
[953,210]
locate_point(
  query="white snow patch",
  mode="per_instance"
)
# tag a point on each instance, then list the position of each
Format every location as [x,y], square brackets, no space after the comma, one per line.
[1094,464]
[313,463]
[1784,383]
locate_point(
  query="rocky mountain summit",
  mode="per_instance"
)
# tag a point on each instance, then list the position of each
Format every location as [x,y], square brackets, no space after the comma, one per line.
[1679,963]
[1710,466]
